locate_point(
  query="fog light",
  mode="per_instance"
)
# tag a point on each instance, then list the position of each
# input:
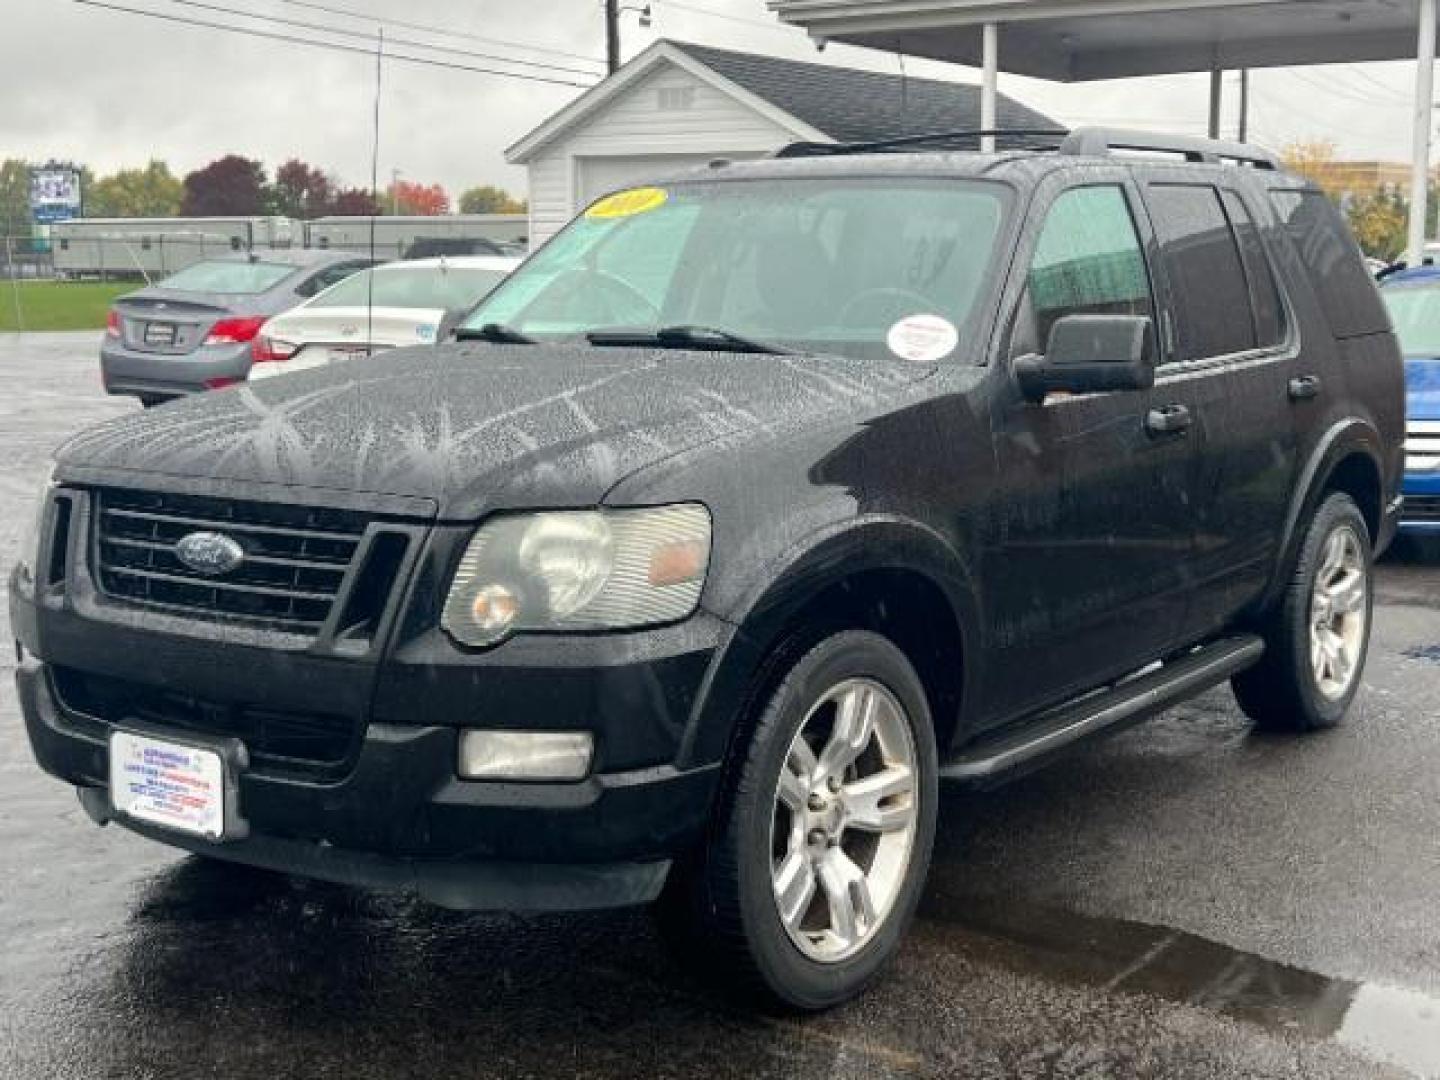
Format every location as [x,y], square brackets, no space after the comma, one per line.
[525,755]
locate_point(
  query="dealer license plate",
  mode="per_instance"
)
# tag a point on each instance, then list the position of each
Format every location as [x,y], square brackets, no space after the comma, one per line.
[167,784]
[159,333]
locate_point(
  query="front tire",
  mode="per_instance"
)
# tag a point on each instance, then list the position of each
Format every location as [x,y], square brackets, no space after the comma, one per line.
[824,832]
[1318,636]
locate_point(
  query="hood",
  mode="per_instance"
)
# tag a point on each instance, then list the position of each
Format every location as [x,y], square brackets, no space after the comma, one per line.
[1422,387]
[474,426]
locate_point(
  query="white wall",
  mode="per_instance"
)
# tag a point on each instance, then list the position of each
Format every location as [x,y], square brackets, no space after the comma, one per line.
[699,123]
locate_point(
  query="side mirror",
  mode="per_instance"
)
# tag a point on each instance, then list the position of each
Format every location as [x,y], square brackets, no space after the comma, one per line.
[1091,354]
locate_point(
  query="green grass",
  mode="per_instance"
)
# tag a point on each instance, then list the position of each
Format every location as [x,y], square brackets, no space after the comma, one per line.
[58,305]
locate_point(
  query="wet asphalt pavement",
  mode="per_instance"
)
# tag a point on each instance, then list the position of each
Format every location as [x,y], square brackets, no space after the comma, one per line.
[1187,900]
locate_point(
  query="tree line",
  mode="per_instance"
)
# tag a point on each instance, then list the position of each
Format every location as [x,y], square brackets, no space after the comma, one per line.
[236,186]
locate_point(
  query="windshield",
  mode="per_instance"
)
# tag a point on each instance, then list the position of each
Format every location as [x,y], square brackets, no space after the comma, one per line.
[862,266]
[1415,311]
[224,276]
[412,287]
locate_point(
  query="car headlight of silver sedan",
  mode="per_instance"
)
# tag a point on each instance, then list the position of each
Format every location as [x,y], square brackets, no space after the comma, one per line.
[579,571]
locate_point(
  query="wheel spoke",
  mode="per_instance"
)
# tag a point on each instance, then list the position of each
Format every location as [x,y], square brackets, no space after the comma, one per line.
[801,761]
[852,913]
[1334,556]
[880,803]
[854,725]
[794,787]
[794,887]
[1348,594]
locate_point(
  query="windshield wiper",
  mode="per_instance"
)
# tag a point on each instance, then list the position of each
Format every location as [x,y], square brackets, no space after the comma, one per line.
[496,332]
[687,337]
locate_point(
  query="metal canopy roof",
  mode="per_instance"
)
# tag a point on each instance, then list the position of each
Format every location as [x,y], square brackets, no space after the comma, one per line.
[1079,40]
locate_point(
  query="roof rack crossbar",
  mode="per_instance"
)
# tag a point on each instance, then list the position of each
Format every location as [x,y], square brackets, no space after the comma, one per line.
[818,149]
[1103,142]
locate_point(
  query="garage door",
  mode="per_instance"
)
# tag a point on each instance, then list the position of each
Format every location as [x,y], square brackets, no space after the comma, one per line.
[601,175]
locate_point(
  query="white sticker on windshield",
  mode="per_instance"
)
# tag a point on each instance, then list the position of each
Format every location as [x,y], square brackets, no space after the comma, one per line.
[923,338]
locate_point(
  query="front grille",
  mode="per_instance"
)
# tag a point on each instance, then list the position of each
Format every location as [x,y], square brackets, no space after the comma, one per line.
[295,557]
[279,741]
[1421,508]
[1422,446]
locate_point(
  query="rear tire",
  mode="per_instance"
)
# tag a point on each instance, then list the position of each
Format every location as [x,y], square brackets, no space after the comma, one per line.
[1318,635]
[823,833]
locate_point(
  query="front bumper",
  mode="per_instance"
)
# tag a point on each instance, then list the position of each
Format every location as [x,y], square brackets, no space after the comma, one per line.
[393,812]
[148,374]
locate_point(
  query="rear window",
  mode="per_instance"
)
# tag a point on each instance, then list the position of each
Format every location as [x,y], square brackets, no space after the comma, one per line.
[223,276]
[1210,293]
[451,288]
[1333,262]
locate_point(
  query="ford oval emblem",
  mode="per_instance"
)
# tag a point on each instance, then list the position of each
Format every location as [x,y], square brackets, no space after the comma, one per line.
[209,553]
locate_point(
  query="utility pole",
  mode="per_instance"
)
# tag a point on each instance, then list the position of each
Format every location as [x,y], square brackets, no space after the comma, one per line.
[395,192]
[612,36]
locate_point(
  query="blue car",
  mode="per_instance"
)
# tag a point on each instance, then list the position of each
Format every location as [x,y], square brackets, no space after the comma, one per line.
[1413,297]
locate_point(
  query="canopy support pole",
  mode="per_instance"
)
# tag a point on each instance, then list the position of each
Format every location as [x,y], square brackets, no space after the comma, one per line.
[990,86]
[1217,98]
[1424,122]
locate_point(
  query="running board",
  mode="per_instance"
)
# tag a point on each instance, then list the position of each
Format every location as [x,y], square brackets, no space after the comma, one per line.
[1012,753]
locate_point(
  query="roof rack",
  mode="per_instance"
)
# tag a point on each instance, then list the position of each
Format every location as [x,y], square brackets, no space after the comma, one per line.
[1103,142]
[1052,139]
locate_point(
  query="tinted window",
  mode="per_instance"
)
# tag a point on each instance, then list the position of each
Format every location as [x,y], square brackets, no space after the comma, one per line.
[1209,294]
[228,277]
[1088,261]
[1333,262]
[1415,310]
[1264,290]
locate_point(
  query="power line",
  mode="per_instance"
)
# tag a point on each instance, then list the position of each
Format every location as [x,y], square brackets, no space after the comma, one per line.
[371,37]
[1348,93]
[696,10]
[351,13]
[270,35]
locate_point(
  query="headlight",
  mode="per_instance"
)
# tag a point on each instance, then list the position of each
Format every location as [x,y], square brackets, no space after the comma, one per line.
[29,549]
[579,570]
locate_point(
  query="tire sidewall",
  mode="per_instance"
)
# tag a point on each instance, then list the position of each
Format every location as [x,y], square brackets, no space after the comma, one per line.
[797,980]
[1338,511]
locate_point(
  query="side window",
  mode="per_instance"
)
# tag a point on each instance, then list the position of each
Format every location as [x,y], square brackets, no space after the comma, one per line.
[1208,289]
[1264,289]
[1332,262]
[1088,261]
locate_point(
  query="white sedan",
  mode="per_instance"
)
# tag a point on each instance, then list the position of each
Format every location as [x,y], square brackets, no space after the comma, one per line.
[400,303]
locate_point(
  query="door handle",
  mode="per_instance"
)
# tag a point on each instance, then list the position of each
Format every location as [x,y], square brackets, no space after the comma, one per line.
[1305,388]
[1169,420]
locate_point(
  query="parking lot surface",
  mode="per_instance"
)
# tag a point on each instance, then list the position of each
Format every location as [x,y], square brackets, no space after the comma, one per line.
[1186,900]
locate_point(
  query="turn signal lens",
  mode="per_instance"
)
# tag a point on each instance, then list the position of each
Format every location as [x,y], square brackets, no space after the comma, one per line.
[265,350]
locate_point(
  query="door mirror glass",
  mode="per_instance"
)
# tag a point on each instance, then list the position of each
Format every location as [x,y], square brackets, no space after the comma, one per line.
[1091,354]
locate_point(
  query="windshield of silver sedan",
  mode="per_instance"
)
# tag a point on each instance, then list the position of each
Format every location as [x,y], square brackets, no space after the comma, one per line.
[861,266]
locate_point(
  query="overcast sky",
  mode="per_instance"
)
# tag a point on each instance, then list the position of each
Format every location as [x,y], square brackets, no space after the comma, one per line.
[111,89]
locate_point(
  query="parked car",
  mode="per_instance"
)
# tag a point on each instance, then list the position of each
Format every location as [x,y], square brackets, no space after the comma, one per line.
[193,331]
[751,507]
[402,303]
[1413,297]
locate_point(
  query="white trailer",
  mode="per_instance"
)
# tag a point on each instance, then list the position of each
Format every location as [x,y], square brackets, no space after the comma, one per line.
[157,247]
[395,236]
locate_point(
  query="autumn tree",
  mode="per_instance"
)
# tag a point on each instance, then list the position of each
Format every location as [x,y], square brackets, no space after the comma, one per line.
[405,197]
[301,191]
[229,186]
[152,191]
[354,202]
[488,199]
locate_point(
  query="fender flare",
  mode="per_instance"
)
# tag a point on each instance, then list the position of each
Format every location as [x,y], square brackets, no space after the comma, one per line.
[792,578]
[1344,438]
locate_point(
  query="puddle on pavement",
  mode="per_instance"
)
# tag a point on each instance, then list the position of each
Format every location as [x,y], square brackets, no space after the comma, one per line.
[1423,652]
[1392,1025]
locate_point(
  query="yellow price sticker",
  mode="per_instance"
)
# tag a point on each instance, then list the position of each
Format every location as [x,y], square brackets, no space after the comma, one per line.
[629,203]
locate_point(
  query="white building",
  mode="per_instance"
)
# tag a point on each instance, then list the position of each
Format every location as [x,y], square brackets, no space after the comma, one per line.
[677,105]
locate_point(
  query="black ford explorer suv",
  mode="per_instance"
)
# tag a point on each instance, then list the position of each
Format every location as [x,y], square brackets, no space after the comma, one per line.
[757,503]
